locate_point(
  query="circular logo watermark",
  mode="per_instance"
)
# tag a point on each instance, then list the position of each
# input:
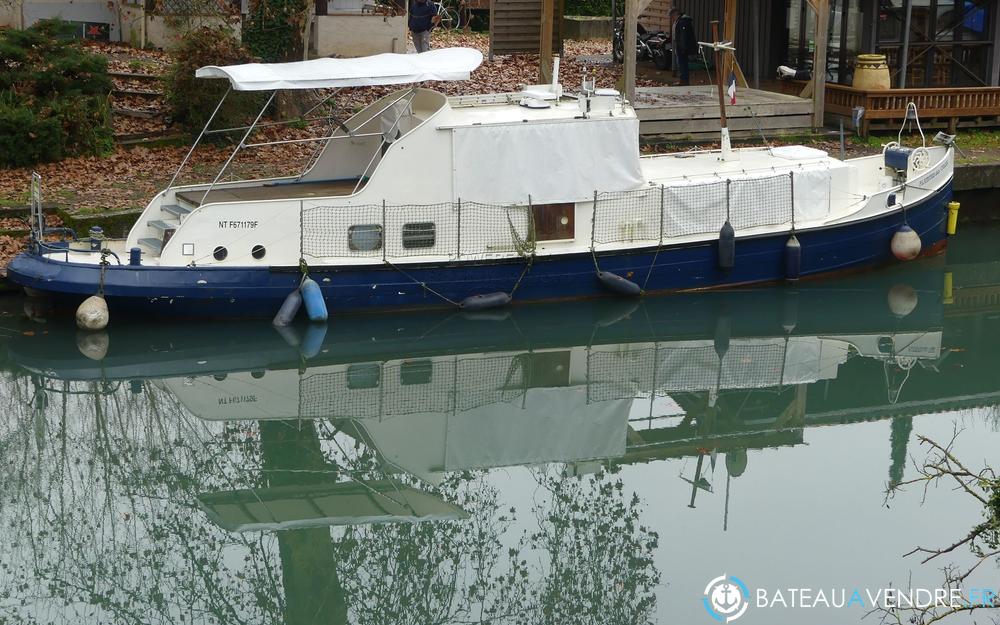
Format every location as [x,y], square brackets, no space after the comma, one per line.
[726,598]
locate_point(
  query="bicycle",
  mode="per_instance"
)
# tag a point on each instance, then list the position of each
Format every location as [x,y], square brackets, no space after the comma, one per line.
[449,19]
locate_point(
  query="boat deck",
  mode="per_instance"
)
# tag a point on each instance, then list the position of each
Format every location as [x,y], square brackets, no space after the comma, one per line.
[277,191]
[693,112]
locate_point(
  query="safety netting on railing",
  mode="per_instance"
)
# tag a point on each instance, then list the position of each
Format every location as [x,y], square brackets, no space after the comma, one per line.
[628,216]
[343,231]
[471,230]
[394,231]
[493,229]
[760,201]
[661,369]
[380,389]
[421,230]
[694,208]
[655,213]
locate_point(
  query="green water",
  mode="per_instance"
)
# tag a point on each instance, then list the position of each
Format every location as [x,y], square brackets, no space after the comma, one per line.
[578,463]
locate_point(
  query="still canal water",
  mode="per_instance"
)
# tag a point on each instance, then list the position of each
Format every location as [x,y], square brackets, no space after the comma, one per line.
[578,463]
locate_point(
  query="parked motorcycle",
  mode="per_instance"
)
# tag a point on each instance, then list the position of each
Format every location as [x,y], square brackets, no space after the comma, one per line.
[649,45]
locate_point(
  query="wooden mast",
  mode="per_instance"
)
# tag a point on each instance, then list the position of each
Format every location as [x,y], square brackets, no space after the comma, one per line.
[718,62]
[720,50]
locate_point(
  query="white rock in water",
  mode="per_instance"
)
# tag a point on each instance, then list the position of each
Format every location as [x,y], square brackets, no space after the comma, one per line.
[93,345]
[92,314]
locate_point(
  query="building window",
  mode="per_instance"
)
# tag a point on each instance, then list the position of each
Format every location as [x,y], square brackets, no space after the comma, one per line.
[418,235]
[364,238]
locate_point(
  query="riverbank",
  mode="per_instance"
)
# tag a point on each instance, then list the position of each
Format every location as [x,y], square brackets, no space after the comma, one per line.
[112,191]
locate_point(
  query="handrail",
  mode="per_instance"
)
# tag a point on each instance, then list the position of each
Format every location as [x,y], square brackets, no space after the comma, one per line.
[238,146]
[196,141]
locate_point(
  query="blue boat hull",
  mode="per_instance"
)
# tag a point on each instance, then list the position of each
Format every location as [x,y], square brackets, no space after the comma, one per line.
[253,292]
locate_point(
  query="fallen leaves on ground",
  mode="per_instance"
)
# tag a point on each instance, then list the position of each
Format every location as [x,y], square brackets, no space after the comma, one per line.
[130,176]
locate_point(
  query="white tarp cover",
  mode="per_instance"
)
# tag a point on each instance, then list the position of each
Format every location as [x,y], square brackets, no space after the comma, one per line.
[365,71]
[550,161]
[812,194]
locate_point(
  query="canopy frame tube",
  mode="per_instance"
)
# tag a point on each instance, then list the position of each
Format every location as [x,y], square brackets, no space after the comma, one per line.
[203,132]
[239,146]
[395,125]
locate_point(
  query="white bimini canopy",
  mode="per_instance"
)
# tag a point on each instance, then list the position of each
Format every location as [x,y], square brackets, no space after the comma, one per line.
[365,71]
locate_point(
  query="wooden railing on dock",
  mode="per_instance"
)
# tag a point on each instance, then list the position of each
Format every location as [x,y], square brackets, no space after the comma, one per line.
[948,107]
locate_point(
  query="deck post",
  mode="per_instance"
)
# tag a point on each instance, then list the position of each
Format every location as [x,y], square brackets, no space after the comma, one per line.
[545,42]
[729,36]
[904,58]
[628,43]
[819,61]
[756,44]
[489,55]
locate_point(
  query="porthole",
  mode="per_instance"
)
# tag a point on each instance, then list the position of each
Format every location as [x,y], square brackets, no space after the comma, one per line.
[418,235]
[220,253]
[364,238]
[258,252]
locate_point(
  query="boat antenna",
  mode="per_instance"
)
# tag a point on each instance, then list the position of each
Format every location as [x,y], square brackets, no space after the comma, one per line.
[719,48]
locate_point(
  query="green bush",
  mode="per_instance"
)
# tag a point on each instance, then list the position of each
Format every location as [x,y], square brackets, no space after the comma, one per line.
[191,99]
[53,96]
[591,7]
[273,29]
[26,138]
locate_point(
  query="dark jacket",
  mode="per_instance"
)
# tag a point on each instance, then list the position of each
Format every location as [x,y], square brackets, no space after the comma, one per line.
[684,40]
[421,15]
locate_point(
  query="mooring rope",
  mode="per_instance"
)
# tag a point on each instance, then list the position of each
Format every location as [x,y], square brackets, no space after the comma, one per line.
[524,272]
[422,284]
[104,265]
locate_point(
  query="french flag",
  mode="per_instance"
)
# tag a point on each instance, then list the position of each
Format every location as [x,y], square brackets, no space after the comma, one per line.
[732,88]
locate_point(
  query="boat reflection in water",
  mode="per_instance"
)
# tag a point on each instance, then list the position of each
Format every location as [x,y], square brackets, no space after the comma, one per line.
[198,438]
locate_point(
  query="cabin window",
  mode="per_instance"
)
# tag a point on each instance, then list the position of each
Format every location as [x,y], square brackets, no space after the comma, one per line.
[415,372]
[258,252]
[553,222]
[418,235]
[364,238]
[363,376]
[220,253]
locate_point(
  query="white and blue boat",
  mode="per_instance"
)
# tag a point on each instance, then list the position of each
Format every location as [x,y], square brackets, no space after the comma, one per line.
[422,200]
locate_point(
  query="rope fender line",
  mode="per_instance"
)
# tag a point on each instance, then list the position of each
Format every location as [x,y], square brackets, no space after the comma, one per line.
[421,283]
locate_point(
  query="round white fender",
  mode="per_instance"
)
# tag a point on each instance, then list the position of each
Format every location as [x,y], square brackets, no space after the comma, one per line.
[93,345]
[92,314]
[905,243]
[903,299]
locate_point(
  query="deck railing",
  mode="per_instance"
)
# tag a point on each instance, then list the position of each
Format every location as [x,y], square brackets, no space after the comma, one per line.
[649,215]
[947,107]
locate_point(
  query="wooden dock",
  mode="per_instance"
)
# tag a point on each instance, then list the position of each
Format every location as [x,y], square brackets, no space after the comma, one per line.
[693,112]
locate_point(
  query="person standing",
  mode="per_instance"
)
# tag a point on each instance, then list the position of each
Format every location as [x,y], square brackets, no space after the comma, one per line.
[423,18]
[685,44]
